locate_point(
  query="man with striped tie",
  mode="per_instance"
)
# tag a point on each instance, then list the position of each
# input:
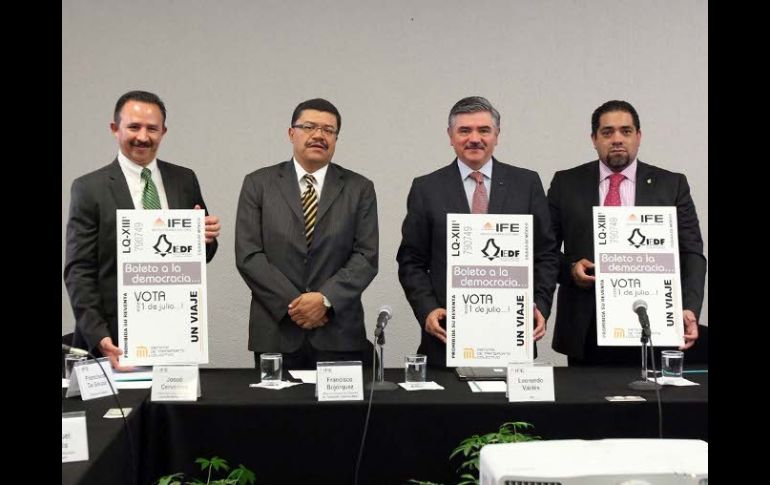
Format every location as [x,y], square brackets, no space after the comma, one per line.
[134,180]
[617,178]
[306,244]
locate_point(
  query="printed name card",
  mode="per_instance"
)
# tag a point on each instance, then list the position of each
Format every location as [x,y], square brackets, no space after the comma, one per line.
[530,382]
[88,380]
[74,437]
[176,383]
[339,381]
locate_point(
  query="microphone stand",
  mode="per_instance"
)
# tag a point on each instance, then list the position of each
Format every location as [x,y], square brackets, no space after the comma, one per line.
[644,384]
[380,384]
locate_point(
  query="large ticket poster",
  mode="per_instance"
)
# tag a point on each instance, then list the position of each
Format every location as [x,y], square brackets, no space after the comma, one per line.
[489,289]
[637,265]
[162,303]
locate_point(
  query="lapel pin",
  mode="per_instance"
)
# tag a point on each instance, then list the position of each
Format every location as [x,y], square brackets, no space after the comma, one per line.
[649,181]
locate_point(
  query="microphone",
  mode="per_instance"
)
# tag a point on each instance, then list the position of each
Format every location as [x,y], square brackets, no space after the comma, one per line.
[385,314]
[640,308]
[75,351]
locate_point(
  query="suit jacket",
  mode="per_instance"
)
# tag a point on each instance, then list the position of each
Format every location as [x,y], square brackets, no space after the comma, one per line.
[571,197]
[422,254]
[90,270]
[272,256]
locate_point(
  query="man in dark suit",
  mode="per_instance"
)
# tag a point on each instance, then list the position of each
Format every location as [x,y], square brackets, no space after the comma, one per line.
[306,244]
[616,135]
[132,181]
[462,188]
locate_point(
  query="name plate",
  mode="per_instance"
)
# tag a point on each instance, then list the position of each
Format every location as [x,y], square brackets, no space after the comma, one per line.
[176,383]
[530,382]
[339,381]
[89,381]
[74,437]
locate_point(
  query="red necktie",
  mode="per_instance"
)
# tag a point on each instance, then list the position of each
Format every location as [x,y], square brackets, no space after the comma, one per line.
[613,195]
[480,198]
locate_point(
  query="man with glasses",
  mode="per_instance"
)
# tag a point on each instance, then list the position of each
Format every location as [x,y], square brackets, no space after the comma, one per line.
[306,244]
[474,182]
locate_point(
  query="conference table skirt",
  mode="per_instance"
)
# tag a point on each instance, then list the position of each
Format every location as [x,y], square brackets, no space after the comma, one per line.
[288,437]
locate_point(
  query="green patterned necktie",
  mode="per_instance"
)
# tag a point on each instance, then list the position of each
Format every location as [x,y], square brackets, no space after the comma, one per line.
[150,199]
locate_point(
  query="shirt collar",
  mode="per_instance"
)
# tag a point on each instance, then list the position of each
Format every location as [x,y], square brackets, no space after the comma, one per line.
[629,172]
[465,170]
[134,168]
[319,174]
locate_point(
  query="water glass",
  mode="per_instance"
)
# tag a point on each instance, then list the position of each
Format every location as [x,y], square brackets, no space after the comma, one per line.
[415,368]
[69,363]
[672,362]
[270,369]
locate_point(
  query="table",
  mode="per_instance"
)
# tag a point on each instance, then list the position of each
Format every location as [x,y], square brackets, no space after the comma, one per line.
[288,437]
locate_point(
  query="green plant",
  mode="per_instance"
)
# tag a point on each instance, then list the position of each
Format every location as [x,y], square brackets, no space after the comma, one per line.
[239,476]
[470,448]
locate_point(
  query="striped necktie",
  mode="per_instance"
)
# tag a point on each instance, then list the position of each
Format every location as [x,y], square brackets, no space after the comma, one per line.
[309,207]
[150,198]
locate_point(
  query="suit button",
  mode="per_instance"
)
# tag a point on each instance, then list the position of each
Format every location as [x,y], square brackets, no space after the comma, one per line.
[304,260]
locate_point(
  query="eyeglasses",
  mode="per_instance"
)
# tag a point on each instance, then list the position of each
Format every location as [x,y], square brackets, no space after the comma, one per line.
[310,128]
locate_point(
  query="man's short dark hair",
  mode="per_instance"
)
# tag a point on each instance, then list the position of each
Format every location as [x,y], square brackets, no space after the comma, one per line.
[317,104]
[142,97]
[609,107]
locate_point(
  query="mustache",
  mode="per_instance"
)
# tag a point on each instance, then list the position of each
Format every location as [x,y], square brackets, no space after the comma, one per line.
[475,144]
[141,144]
[319,143]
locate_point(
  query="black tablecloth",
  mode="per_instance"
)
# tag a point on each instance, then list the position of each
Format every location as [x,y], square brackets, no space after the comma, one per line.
[108,443]
[287,436]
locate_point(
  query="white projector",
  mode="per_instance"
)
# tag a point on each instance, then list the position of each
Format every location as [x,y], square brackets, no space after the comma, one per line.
[600,462]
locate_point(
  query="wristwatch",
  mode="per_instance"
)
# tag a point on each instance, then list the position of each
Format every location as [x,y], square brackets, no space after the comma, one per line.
[327,303]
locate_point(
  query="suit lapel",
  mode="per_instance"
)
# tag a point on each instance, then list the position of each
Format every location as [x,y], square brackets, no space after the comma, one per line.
[500,186]
[171,186]
[645,184]
[289,187]
[590,180]
[333,183]
[454,190]
[119,187]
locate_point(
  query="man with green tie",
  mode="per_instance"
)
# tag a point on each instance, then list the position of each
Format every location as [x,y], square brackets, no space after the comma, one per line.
[135,179]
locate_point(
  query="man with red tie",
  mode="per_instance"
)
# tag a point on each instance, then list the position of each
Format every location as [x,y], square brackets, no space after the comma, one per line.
[618,178]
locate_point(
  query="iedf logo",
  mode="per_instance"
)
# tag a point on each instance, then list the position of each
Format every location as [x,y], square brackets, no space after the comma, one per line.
[492,251]
[164,247]
[637,239]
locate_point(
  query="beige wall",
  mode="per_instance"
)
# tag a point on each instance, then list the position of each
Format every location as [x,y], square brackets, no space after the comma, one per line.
[231,73]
